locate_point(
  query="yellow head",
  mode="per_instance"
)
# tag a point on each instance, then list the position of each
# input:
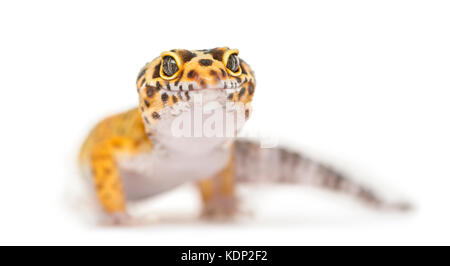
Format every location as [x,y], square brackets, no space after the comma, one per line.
[177,75]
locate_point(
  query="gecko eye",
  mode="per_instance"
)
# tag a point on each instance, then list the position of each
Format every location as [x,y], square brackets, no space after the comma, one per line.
[169,66]
[233,63]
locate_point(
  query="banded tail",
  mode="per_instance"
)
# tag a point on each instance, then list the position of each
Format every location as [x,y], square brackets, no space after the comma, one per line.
[279,165]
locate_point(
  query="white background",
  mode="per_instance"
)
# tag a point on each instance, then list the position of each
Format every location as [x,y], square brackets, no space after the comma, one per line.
[361,84]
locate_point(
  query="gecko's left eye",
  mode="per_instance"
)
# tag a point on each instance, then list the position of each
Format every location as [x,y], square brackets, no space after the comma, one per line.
[169,66]
[231,61]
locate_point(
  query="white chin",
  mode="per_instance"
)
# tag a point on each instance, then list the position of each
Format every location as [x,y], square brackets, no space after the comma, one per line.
[201,124]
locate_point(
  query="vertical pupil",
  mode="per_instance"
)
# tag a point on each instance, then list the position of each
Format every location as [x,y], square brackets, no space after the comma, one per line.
[233,63]
[169,66]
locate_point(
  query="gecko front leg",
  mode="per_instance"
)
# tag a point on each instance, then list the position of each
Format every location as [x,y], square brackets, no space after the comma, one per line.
[106,176]
[218,194]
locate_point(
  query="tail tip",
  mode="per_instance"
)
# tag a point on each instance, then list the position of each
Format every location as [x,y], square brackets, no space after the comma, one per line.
[401,206]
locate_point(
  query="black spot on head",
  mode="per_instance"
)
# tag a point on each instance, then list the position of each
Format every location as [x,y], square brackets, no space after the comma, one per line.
[251,88]
[179,78]
[191,74]
[174,99]
[164,97]
[186,55]
[241,93]
[158,86]
[155,115]
[146,120]
[186,94]
[217,53]
[156,71]
[141,73]
[150,91]
[191,87]
[215,75]
[243,68]
[147,103]
[224,73]
[230,96]
[205,62]
[143,82]
[238,79]
[167,83]
[247,113]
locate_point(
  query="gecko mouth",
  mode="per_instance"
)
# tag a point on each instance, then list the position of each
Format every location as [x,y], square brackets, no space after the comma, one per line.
[198,86]
[185,90]
[228,84]
[208,94]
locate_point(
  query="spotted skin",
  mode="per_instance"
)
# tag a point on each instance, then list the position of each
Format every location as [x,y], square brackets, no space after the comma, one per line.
[132,133]
[129,133]
[199,69]
[119,134]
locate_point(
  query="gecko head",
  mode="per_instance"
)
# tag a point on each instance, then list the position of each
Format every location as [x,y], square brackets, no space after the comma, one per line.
[178,79]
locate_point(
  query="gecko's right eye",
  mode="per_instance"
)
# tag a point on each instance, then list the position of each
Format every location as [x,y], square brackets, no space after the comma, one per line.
[170,66]
[233,63]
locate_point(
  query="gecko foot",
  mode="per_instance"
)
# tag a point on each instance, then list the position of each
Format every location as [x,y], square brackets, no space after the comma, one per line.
[121,219]
[222,208]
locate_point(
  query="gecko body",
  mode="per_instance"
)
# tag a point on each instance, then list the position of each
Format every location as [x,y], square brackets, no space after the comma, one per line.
[162,143]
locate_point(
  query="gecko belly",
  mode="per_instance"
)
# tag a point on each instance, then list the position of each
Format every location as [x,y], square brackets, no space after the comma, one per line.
[151,173]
